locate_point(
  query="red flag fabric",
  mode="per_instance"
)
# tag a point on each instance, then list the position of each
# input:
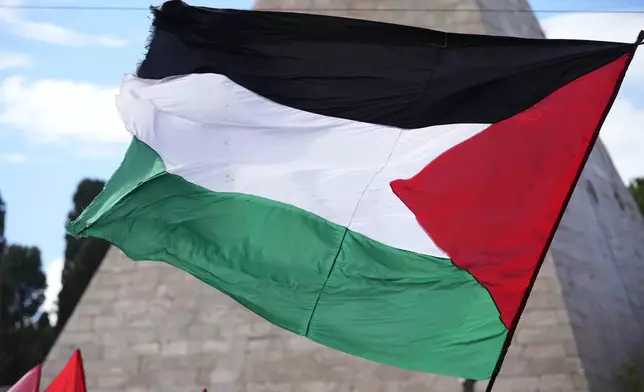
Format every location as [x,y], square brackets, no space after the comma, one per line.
[30,382]
[71,378]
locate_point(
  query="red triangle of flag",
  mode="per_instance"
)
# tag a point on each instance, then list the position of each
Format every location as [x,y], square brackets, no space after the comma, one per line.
[30,382]
[71,378]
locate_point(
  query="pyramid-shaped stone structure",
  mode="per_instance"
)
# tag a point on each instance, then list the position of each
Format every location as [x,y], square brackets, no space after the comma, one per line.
[148,327]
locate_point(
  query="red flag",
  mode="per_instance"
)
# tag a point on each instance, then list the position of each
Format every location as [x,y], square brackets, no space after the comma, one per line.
[71,378]
[30,382]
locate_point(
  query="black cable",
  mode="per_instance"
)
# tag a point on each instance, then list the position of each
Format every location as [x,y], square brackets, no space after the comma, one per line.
[126,8]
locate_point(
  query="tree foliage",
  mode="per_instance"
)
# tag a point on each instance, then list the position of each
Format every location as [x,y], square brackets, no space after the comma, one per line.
[86,192]
[83,256]
[23,348]
[85,263]
[2,217]
[637,190]
[22,286]
[25,339]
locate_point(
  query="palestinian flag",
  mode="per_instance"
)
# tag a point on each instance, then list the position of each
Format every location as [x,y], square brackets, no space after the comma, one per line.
[384,190]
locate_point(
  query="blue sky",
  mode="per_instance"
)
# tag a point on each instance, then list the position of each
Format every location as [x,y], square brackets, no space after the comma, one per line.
[59,71]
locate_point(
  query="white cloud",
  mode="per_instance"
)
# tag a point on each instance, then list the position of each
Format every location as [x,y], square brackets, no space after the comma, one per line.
[623,136]
[49,32]
[51,110]
[622,131]
[600,27]
[53,272]
[13,159]
[13,60]
[100,151]
[54,34]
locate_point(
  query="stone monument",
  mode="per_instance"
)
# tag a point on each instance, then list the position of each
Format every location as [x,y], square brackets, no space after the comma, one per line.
[146,326]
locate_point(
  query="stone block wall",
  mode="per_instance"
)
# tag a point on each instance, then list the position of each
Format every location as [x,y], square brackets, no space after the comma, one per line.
[599,258]
[436,14]
[145,326]
[516,20]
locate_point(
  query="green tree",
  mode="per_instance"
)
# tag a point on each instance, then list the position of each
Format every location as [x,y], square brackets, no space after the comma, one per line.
[2,217]
[637,190]
[86,192]
[4,277]
[86,262]
[22,286]
[23,348]
[24,338]
[83,256]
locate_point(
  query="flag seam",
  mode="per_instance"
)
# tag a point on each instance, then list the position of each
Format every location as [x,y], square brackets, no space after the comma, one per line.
[346,230]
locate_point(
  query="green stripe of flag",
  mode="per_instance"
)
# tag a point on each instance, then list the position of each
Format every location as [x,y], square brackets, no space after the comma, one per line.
[300,271]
